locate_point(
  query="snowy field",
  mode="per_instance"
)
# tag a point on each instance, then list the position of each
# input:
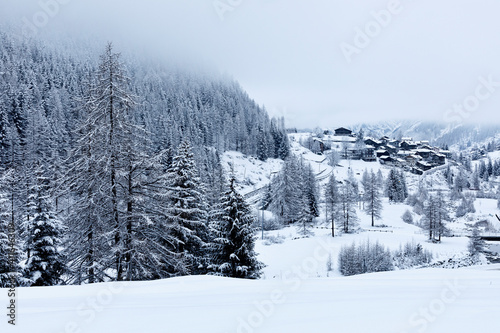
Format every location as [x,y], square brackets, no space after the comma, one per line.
[426,300]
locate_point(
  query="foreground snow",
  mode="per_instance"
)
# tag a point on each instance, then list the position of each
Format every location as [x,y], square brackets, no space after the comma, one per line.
[426,300]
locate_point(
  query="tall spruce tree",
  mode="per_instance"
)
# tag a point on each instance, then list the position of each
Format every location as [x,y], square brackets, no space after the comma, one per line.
[372,196]
[286,193]
[46,264]
[348,207]
[232,250]
[96,175]
[310,190]
[435,216]
[10,254]
[187,211]
[476,243]
[396,188]
[332,202]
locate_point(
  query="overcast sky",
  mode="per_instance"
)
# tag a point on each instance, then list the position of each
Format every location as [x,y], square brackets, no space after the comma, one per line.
[316,62]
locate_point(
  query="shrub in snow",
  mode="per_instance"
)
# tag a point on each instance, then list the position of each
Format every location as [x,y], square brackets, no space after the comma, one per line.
[365,258]
[329,263]
[278,239]
[460,261]
[476,243]
[466,205]
[268,224]
[411,255]
[407,217]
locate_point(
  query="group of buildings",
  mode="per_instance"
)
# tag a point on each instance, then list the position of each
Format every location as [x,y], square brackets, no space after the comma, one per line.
[415,156]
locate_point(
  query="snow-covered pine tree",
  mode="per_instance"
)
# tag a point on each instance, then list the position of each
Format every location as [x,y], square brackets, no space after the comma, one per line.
[310,190]
[232,250]
[348,207]
[10,254]
[489,167]
[496,168]
[146,255]
[87,182]
[460,182]
[187,211]
[372,196]
[45,264]
[476,182]
[308,201]
[262,145]
[476,243]
[332,202]
[110,104]
[435,216]
[286,192]
[396,188]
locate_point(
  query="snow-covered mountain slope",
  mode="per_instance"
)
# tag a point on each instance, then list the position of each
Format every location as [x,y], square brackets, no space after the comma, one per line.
[250,173]
[426,300]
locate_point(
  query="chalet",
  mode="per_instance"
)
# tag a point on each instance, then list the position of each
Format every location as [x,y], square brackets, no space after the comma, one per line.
[369,154]
[372,142]
[353,153]
[424,166]
[391,149]
[384,140]
[386,159]
[408,145]
[343,132]
[424,153]
[426,147]
[412,159]
[404,153]
[394,143]
[321,145]
[382,152]
[437,158]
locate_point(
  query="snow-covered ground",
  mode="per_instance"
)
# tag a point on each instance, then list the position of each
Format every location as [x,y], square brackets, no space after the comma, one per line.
[293,251]
[425,300]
